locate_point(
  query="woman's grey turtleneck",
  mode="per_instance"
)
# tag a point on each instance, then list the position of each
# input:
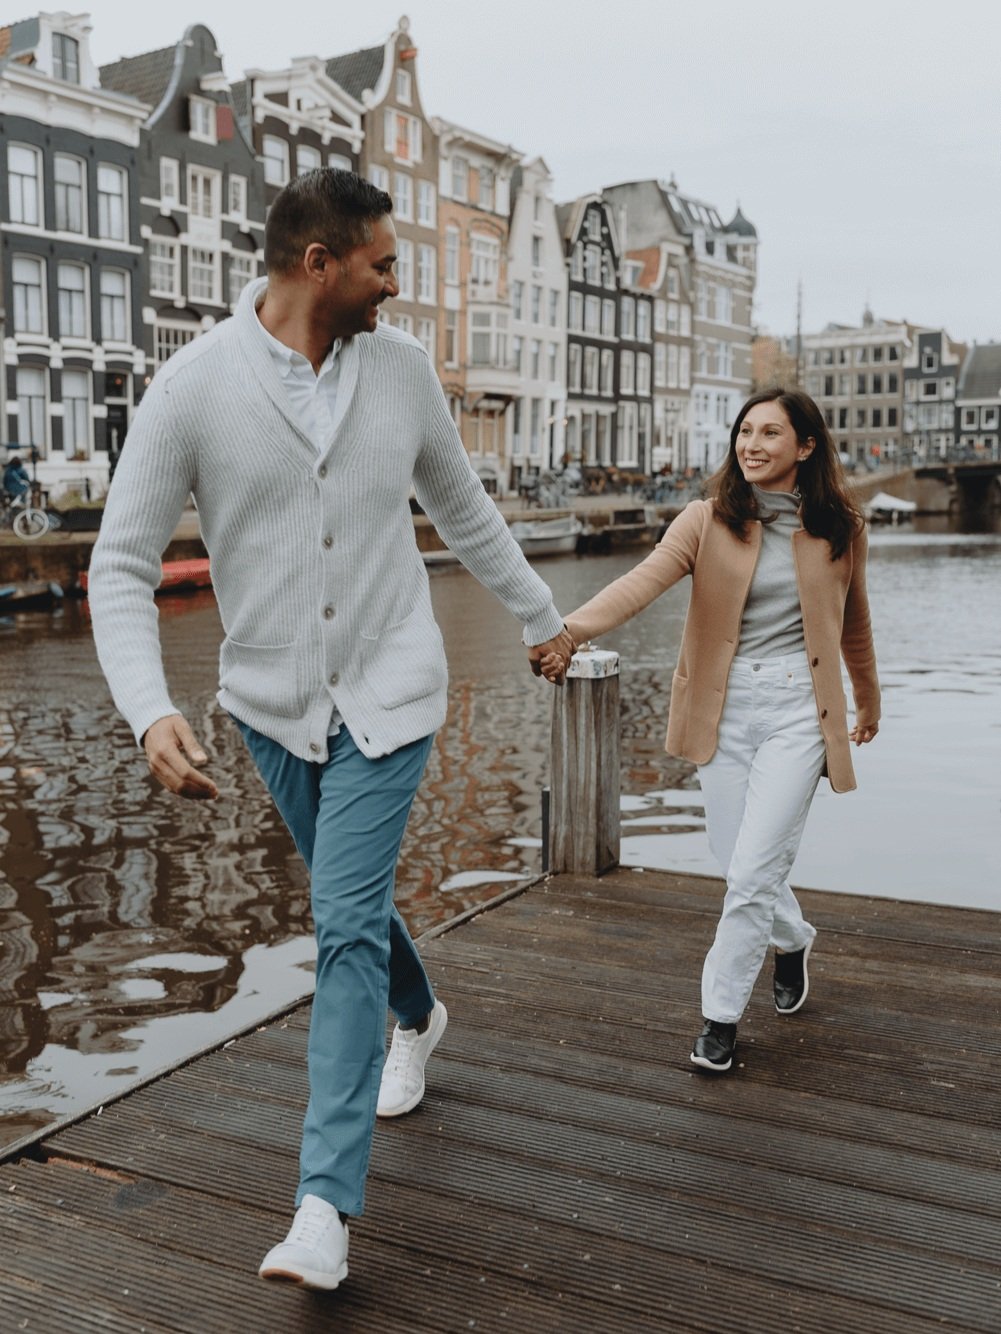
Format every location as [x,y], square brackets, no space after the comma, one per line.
[773,620]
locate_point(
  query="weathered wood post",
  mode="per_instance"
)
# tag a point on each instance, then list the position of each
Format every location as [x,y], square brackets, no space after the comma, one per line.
[584,767]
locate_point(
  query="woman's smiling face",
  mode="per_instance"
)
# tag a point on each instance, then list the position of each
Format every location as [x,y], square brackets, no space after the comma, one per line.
[767,449]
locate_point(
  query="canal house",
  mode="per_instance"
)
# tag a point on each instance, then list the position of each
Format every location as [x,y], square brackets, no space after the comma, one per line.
[201,191]
[72,256]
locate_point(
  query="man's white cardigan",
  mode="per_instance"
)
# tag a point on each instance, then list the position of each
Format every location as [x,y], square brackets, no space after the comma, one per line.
[323,594]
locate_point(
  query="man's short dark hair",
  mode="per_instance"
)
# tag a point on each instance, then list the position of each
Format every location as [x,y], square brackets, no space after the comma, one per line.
[332,207]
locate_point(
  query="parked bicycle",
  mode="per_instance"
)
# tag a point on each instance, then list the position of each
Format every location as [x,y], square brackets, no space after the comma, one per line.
[26,516]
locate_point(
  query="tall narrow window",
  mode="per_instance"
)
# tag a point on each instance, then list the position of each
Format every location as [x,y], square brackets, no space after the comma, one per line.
[76,414]
[71,284]
[32,415]
[460,178]
[403,197]
[24,185]
[68,173]
[307,158]
[65,57]
[405,269]
[29,305]
[163,267]
[486,188]
[111,202]
[427,274]
[242,269]
[451,254]
[275,152]
[114,305]
[170,182]
[203,275]
[426,201]
[201,117]
[238,197]
[203,193]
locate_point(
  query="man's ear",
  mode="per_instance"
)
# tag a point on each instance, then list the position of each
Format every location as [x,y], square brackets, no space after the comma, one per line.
[317,260]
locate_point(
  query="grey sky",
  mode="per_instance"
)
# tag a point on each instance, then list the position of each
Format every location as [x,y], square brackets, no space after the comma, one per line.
[862,138]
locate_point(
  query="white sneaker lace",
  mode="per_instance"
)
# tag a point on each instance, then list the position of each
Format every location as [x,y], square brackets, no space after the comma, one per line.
[309,1226]
[401,1052]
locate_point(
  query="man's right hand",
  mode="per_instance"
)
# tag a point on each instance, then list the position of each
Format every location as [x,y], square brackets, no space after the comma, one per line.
[173,752]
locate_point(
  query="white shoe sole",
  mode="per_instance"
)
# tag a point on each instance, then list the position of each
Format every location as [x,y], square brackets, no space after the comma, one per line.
[439,1022]
[307,1278]
[806,982]
[703,1064]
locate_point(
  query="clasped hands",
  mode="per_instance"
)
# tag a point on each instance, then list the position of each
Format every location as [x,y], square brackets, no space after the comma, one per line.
[552,658]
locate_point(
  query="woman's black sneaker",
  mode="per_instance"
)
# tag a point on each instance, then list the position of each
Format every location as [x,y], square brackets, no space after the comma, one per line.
[791,984]
[714,1046]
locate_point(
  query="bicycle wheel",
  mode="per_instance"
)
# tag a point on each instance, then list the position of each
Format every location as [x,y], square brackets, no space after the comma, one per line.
[31,523]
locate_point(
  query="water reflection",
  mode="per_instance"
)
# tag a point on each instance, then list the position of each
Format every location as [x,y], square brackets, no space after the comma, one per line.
[135,926]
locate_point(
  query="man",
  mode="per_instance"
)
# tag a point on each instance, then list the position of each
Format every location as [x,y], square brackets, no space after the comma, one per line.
[16,481]
[332,666]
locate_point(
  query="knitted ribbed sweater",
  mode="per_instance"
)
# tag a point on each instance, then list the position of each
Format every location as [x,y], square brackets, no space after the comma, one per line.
[323,594]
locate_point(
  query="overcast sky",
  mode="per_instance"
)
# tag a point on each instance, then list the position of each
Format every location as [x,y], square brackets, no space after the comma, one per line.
[863,139]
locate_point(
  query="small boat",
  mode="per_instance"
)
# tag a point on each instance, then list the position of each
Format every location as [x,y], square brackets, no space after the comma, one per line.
[547,537]
[177,576]
[884,508]
[29,595]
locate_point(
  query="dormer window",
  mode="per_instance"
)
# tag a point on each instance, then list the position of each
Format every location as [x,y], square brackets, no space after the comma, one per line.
[202,119]
[65,57]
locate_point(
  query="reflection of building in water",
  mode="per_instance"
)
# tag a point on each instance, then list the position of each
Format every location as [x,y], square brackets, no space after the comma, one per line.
[101,871]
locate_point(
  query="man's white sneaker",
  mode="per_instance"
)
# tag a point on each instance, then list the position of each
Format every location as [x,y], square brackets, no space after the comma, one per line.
[315,1252]
[402,1084]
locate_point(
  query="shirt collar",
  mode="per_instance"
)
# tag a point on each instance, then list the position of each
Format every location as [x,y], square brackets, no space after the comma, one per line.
[289,361]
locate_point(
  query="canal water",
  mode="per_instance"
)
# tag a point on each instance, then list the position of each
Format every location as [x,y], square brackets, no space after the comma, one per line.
[136,929]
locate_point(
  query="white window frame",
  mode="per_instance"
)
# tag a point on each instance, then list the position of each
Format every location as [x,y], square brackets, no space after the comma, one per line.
[170,181]
[64,45]
[112,206]
[274,150]
[379,177]
[33,408]
[171,256]
[451,349]
[204,188]
[487,188]
[627,317]
[427,332]
[169,336]
[307,158]
[29,315]
[427,275]
[76,305]
[115,306]
[401,136]
[404,87]
[459,177]
[202,120]
[241,270]
[405,269]
[77,415]
[25,205]
[643,321]
[63,190]
[643,373]
[627,373]
[237,197]
[427,204]
[452,244]
[340,162]
[203,262]
[403,196]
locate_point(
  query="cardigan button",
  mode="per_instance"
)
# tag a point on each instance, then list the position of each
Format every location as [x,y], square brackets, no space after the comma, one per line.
[816,661]
[328,613]
[322,470]
[314,748]
[823,713]
[328,541]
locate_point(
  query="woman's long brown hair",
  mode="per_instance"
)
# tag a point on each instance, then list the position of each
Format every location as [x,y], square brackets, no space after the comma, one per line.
[827,508]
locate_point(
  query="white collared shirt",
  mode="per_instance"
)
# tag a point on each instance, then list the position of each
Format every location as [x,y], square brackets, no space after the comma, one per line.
[312,394]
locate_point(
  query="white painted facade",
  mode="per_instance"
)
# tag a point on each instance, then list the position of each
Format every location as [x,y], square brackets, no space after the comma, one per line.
[537,281]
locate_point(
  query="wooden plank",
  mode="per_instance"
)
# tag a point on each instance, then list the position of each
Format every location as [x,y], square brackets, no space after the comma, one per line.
[568,1169]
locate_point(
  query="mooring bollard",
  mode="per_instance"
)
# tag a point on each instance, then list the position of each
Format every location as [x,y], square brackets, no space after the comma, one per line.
[583,834]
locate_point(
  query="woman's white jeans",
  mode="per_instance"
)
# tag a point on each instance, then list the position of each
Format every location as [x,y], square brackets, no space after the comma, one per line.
[757,790]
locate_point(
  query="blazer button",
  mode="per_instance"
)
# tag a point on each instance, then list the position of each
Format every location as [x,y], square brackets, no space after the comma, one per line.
[816,661]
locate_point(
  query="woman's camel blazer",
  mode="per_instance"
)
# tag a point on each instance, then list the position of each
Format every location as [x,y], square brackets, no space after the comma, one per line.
[835,607]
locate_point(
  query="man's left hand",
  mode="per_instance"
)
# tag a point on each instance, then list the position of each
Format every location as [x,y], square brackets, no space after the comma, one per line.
[562,645]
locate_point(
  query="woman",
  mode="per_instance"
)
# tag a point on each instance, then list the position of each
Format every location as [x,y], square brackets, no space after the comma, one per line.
[777,559]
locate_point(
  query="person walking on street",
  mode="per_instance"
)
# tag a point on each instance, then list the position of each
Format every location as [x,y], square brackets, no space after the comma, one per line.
[332,665]
[777,557]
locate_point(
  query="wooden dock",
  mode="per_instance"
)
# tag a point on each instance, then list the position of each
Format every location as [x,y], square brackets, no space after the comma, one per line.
[569,1169]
